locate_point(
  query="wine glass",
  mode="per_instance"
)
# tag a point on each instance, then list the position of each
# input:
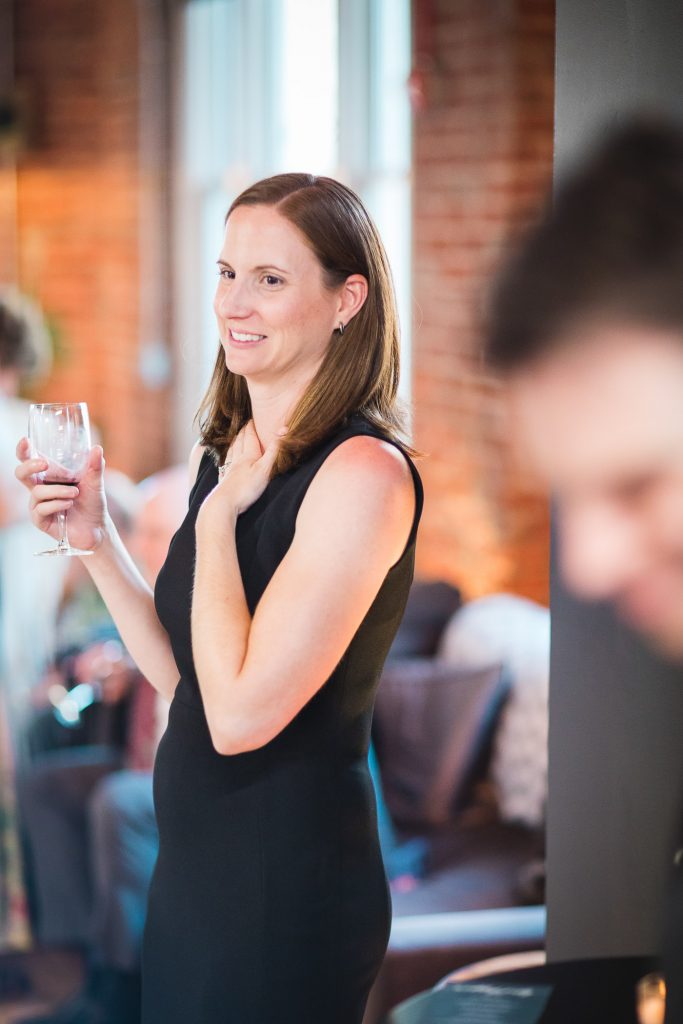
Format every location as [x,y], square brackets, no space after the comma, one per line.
[59,432]
[651,999]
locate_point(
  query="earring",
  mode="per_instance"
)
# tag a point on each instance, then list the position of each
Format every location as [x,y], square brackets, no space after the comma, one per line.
[341,327]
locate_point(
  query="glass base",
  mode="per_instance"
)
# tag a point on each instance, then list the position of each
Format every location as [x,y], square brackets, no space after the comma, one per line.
[63,550]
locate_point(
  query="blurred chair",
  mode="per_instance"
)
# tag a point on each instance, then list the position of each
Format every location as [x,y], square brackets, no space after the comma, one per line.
[432,943]
[496,965]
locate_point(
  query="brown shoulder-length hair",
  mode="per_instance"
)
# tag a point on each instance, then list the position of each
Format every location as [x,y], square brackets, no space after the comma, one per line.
[360,370]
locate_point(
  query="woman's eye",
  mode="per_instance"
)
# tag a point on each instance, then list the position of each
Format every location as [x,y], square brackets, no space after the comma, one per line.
[271,279]
[227,275]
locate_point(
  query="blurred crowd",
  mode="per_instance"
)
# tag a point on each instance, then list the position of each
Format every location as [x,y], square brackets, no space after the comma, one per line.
[78,723]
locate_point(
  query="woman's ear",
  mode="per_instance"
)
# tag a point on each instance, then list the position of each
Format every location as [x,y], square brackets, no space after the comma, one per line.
[353,294]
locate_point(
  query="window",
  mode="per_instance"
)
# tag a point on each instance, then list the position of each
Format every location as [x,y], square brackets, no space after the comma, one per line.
[275,85]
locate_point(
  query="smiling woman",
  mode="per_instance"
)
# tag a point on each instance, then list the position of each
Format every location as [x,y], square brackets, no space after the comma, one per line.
[281,595]
[312,267]
[277,604]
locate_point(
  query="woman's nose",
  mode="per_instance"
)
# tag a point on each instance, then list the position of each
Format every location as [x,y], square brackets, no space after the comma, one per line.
[233,300]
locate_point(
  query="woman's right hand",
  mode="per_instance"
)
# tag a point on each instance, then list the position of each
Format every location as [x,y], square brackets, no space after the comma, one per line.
[85,502]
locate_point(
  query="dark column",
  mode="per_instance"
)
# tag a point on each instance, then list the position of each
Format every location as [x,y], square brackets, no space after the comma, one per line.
[616,710]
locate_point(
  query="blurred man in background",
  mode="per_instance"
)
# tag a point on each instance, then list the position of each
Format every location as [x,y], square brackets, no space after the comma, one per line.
[588,328]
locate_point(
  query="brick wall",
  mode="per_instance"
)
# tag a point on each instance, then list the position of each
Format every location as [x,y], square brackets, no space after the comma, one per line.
[483,156]
[80,218]
[483,148]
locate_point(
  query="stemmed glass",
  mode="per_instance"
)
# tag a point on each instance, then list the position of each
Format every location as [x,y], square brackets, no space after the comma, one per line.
[651,999]
[59,432]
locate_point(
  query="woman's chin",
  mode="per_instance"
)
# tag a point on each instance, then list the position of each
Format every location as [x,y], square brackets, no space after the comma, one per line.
[242,362]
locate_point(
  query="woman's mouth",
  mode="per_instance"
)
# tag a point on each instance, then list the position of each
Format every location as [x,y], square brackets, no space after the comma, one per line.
[244,337]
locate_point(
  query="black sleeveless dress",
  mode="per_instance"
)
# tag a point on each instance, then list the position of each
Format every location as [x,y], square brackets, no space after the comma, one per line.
[269,902]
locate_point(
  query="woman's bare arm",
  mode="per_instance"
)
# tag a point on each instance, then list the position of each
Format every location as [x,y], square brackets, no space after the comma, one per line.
[255,674]
[127,595]
[130,601]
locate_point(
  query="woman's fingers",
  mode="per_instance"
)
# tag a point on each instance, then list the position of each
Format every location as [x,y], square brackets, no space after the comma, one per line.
[26,471]
[53,492]
[268,458]
[28,467]
[48,500]
[96,458]
[238,443]
[46,509]
[249,442]
[246,445]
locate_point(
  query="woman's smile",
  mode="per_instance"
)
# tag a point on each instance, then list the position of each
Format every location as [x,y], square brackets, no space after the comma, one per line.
[244,337]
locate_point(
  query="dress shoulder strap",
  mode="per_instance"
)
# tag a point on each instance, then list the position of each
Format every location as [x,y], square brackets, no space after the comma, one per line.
[358,426]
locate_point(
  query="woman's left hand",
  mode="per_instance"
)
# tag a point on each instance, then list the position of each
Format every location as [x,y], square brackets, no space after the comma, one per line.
[248,471]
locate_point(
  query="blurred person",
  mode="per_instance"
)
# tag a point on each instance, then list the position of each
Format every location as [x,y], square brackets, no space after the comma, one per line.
[92,824]
[26,626]
[24,357]
[87,650]
[54,792]
[277,604]
[588,329]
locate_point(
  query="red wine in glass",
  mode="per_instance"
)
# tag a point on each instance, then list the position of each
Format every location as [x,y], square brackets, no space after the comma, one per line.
[59,432]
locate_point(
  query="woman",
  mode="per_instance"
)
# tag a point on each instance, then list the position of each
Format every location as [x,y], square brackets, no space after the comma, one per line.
[277,604]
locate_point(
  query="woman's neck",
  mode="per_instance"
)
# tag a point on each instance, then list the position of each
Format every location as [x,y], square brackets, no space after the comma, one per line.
[271,408]
[273,401]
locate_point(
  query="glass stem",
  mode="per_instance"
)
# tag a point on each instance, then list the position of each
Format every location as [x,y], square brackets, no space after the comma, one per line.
[63,542]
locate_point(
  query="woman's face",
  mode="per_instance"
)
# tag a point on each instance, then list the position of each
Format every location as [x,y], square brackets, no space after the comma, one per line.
[275,315]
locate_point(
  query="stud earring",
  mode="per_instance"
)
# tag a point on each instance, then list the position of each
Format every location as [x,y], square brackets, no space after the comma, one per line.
[341,327]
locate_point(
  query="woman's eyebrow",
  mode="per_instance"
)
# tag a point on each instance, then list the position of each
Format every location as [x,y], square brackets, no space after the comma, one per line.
[271,266]
[265,266]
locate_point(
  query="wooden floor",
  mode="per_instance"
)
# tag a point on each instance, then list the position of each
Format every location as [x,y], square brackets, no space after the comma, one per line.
[53,976]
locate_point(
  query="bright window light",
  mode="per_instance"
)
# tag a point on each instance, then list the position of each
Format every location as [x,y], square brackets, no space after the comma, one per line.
[284,85]
[309,86]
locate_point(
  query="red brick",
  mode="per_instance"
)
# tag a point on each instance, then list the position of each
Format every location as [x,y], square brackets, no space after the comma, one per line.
[483,160]
[79,218]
